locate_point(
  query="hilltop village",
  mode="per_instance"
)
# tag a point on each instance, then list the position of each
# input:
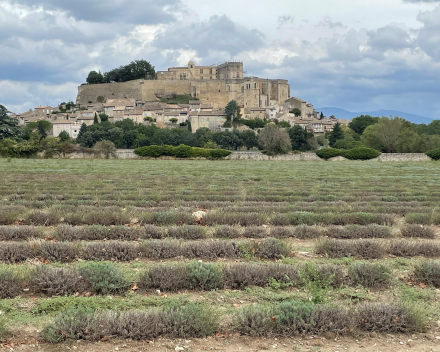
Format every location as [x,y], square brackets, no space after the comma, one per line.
[195,94]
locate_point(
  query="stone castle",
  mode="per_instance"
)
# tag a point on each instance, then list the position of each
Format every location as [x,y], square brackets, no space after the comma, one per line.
[214,85]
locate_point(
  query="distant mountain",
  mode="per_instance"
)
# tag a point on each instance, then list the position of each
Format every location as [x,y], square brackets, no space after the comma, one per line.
[345,114]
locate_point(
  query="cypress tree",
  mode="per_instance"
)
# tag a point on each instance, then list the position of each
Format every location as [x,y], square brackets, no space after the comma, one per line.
[336,134]
[82,130]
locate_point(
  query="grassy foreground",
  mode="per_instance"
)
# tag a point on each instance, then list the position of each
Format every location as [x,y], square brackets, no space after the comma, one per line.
[285,246]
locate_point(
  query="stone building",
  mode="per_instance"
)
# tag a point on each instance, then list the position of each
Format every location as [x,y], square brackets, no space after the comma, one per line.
[213,85]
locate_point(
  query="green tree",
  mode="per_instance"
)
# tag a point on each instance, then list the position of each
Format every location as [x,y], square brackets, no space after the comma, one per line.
[95,119]
[189,126]
[384,135]
[69,105]
[64,136]
[274,140]
[232,111]
[296,111]
[249,139]
[298,137]
[321,116]
[173,120]
[103,117]
[95,77]
[9,127]
[82,130]
[227,140]
[336,134]
[51,146]
[284,124]
[105,148]
[360,123]
[43,127]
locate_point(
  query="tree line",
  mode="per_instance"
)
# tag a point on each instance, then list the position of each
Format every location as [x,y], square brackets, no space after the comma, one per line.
[138,69]
[386,134]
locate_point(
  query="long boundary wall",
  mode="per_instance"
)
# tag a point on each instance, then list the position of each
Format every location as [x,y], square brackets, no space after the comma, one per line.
[258,156]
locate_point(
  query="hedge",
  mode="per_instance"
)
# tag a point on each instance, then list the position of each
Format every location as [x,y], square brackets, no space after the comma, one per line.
[327,153]
[182,151]
[434,154]
[361,153]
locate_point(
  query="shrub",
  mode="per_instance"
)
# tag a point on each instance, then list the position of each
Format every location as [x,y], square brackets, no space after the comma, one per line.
[165,278]
[281,232]
[365,249]
[225,218]
[369,274]
[306,232]
[18,233]
[227,232]
[161,249]
[360,153]
[382,317]
[272,248]
[10,283]
[57,251]
[292,318]
[73,324]
[241,275]
[190,321]
[411,249]
[428,272]
[417,231]
[14,252]
[434,154]
[113,250]
[297,318]
[254,232]
[154,232]
[42,218]
[356,232]
[104,278]
[218,153]
[212,250]
[182,151]
[9,215]
[56,281]
[418,218]
[327,153]
[106,217]
[204,276]
[70,233]
[323,275]
[187,232]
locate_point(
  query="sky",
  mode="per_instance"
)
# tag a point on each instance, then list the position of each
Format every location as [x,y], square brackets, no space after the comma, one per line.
[352,54]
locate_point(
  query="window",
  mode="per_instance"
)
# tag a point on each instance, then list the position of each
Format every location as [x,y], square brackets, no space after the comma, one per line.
[201,71]
[202,119]
[207,119]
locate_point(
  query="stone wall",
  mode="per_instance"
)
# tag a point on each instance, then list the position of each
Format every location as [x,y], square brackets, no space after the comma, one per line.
[403,157]
[256,155]
[123,90]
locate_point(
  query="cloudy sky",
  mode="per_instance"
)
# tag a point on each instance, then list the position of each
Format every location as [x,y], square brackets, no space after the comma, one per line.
[353,54]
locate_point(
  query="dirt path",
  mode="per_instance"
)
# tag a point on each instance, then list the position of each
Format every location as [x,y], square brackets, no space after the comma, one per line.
[375,343]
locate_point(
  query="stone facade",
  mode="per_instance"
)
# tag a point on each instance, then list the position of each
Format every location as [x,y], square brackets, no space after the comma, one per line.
[225,83]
